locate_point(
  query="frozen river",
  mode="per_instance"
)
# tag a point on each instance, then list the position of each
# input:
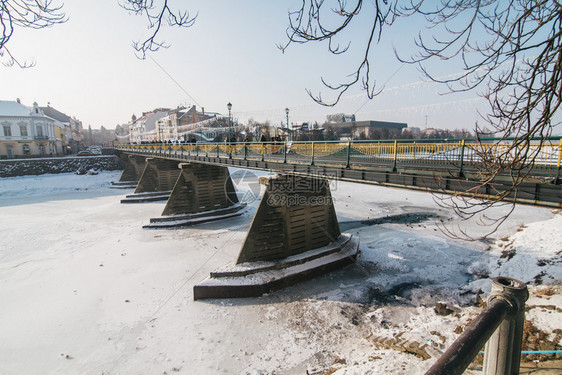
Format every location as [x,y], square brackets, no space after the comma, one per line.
[85,290]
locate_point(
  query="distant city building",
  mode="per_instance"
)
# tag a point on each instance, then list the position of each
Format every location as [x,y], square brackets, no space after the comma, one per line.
[300,126]
[413,130]
[143,129]
[305,131]
[363,129]
[175,124]
[27,131]
[340,117]
[69,130]
[170,127]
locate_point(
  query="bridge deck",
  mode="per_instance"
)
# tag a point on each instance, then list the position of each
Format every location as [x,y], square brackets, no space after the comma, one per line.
[444,167]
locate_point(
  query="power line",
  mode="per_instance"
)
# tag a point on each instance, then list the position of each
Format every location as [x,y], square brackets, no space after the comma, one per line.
[384,84]
[176,82]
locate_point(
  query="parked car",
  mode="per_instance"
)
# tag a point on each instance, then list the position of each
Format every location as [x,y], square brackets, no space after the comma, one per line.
[85,153]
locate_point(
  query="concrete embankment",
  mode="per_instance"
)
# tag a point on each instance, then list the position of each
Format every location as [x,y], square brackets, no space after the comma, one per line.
[23,167]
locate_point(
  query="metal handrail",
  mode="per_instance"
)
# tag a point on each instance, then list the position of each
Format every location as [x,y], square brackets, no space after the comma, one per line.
[456,154]
[499,326]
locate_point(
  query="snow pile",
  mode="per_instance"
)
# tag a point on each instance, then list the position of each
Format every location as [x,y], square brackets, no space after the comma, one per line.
[532,255]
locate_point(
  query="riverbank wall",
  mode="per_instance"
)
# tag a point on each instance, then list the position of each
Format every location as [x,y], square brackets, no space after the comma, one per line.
[38,166]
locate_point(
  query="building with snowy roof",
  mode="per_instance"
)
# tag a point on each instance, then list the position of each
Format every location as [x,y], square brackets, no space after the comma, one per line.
[143,129]
[26,131]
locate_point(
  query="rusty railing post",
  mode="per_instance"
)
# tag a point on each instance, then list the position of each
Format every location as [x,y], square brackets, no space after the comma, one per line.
[461,167]
[506,310]
[558,164]
[395,156]
[347,163]
[502,354]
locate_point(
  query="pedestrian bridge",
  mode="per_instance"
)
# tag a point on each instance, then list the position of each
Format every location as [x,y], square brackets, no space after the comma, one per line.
[451,167]
[295,234]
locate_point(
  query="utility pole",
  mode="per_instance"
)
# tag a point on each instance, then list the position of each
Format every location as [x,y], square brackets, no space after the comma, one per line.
[287,113]
[229,106]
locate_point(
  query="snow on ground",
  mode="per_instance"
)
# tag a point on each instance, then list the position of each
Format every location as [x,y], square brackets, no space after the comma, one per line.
[86,290]
[53,184]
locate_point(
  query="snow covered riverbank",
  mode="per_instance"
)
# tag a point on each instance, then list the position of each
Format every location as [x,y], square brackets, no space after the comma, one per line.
[86,290]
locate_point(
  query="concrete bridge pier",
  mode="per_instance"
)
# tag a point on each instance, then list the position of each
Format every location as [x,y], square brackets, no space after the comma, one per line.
[134,165]
[294,236]
[156,182]
[201,193]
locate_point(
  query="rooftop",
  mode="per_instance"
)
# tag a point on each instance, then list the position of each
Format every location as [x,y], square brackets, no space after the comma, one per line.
[9,108]
[54,114]
[368,123]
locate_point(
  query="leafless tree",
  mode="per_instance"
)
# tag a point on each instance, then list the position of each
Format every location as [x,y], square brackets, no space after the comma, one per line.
[34,14]
[517,67]
[511,53]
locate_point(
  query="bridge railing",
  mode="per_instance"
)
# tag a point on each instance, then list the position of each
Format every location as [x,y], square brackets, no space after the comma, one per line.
[451,155]
[499,327]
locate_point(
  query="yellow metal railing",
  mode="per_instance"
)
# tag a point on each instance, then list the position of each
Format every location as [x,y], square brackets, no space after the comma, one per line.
[547,154]
[559,154]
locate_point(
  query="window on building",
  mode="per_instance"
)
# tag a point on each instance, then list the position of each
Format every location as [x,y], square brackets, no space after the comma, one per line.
[9,151]
[42,150]
[25,149]
[7,130]
[39,129]
[23,130]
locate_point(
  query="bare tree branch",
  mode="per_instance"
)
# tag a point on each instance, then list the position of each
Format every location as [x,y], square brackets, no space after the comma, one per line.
[156,14]
[307,25]
[39,14]
[33,14]
[511,53]
[517,68]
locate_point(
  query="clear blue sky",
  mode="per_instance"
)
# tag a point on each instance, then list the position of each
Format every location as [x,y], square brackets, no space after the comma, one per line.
[88,69]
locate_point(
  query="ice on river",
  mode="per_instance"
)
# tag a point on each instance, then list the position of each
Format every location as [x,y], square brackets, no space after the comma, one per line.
[85,290]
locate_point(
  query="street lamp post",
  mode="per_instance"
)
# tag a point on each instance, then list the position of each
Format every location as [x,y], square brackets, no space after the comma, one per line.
[287,113]
[229,106]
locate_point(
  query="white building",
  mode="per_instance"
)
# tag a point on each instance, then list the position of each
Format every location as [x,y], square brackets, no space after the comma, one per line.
[143,129]
[26,131]
[162,125]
